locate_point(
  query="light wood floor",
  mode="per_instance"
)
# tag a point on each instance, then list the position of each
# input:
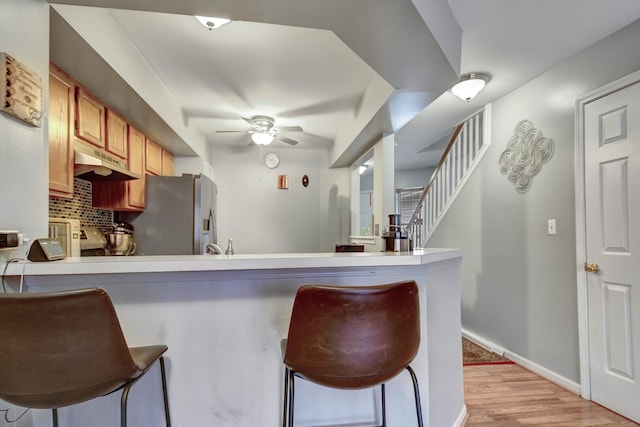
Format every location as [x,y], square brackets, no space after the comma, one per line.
[511,396]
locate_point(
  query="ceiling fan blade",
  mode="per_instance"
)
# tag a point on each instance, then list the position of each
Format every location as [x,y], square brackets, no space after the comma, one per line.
[249,121]
[288,140]
[289,129]
[231,131]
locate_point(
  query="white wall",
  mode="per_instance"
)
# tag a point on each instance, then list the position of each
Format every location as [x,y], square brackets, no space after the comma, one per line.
[413,177]
[24,161]
[264,219]
[518,283]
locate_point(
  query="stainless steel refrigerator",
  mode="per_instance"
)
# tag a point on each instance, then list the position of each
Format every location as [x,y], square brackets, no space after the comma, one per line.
[179,216]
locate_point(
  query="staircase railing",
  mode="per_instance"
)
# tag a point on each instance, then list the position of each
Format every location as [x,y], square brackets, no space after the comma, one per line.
[467,146]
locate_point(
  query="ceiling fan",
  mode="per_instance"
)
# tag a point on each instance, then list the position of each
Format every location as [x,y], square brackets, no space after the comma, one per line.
[263,132]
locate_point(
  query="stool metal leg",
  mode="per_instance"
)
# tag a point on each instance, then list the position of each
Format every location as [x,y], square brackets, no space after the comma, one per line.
[384,405]
[165,394]
[285,397]
[54,414]
[292,392]
[289,392]
[125,396]
[123,405]
[416,393]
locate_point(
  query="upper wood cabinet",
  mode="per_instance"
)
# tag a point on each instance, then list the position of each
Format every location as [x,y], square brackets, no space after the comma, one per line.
[90,118]
[137,165]
[116,135]
[167,163]
[61,116]
[153,157]
[125,195]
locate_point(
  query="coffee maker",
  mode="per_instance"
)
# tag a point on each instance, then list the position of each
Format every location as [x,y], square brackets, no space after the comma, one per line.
[396,239]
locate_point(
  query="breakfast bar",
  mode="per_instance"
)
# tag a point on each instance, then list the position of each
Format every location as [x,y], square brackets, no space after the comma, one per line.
[223,317]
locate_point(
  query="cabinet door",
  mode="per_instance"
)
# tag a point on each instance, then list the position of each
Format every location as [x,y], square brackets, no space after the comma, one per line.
[167,163]
[90,114]
[61,114]
[137,165]
[153,157]
[116,135]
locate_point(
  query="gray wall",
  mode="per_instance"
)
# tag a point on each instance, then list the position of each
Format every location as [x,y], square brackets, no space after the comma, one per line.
[24,164]
[518,283]
[264,219]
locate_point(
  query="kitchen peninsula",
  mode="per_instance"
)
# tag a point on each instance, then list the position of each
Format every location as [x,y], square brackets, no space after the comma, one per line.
[223,317]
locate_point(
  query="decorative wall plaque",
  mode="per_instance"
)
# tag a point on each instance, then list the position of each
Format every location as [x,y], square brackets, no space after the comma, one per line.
[527,150]
[21,90]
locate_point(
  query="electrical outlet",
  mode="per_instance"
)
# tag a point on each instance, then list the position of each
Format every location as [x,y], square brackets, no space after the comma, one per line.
[551,227]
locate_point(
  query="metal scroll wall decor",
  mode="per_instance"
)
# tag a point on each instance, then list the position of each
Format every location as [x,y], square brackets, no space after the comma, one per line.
[527,150]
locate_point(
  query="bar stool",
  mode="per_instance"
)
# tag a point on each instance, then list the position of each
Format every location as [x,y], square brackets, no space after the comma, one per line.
[351,338]
[62,348]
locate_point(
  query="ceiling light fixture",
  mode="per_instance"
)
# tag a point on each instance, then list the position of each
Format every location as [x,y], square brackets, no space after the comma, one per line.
[469,85]
[212,23]
[362,169]
[262,137]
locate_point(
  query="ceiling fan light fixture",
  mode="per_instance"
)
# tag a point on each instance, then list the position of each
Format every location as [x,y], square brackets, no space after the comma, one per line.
[212,23]
[262,137]
[469,85]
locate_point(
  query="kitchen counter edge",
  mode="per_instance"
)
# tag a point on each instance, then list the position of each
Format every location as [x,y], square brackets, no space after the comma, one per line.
[178,263]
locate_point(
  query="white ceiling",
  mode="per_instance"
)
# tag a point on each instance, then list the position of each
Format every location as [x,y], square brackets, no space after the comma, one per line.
[313,63]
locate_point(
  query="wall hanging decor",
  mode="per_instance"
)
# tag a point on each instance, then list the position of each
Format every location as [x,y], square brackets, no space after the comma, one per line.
[527,150]
[21,90]
[283,182]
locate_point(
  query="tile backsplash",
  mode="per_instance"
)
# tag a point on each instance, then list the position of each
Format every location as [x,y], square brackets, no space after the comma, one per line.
[80,208]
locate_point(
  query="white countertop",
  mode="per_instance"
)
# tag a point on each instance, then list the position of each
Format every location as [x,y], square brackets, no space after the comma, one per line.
[177,263]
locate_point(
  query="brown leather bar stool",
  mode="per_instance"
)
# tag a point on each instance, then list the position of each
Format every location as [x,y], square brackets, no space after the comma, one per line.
[352,338]
[62,348]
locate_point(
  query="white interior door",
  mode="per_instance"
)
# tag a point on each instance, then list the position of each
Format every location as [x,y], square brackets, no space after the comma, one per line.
[612,198]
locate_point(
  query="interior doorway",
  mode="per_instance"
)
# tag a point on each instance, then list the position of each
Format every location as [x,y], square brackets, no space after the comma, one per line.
[608,242]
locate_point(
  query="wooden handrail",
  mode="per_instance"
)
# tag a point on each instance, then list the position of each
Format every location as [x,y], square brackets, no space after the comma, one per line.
[434,174]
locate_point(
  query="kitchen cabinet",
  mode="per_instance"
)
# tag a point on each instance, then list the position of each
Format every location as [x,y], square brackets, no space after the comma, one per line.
[90,118]
[61,117]
[137,165]
[125,195]
[167,163]
[116,135]
[153,157]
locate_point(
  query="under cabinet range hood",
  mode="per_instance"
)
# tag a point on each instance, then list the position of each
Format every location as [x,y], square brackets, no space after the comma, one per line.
[93,164]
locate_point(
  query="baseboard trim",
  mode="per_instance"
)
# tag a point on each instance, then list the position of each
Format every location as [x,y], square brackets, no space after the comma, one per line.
[462,417]
[554,377]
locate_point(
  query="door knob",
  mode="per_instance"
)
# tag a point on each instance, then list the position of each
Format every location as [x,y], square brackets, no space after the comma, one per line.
[591,268]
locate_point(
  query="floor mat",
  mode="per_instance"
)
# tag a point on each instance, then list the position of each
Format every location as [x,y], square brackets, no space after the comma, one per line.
[473,354]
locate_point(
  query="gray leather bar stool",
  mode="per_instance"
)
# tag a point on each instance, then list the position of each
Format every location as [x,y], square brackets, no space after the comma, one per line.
[352,338]
[62,348]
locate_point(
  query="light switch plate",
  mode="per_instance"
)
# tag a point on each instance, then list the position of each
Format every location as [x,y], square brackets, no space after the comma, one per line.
[551,227]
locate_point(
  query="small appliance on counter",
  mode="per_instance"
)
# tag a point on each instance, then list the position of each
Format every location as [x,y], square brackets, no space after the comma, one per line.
[92,242]
[396,239]
[120,240]
[66,231]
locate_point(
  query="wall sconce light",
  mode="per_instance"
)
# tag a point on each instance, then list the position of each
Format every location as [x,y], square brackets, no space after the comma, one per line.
[470,85]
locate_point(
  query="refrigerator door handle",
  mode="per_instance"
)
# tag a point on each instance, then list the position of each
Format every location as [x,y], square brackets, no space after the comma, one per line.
[213,233]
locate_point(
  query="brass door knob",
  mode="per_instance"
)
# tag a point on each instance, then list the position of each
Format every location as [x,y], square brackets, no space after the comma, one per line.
[591,268]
